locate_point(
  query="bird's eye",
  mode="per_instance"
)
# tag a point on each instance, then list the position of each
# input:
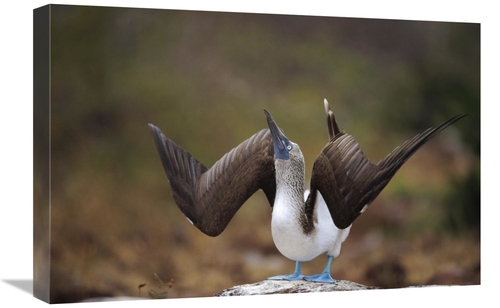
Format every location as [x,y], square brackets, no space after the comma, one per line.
[289,147]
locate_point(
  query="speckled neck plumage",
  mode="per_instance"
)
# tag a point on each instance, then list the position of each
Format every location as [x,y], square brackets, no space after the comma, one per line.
[290,180]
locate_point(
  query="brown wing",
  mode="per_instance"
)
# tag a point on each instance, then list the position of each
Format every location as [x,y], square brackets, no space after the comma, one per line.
[348,181]
[211,197]
[333,128]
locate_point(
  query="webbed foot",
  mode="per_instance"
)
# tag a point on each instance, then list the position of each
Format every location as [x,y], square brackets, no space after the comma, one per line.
[323,277]
[295,276]
[290,277]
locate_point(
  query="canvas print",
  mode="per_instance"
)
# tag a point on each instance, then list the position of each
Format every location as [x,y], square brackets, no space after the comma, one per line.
[184,154]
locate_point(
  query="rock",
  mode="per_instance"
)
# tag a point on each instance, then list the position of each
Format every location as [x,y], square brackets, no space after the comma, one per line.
[112,299]
[284,287]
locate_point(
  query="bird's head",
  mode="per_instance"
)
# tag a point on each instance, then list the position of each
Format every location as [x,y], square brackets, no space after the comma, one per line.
[283,147]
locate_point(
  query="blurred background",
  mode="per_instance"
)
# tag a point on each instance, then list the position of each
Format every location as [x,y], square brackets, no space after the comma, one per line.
[204,79]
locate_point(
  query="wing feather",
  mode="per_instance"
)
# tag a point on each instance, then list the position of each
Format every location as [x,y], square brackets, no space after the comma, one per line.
[211,197]
[348,181]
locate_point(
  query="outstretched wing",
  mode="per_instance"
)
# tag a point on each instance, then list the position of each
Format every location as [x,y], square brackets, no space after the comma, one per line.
[210,198]
[349,182]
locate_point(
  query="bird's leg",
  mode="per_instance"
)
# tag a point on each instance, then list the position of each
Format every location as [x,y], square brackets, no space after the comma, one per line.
[295,276]
[324,276]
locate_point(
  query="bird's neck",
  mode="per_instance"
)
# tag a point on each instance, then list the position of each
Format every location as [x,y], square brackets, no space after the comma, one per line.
[290,177]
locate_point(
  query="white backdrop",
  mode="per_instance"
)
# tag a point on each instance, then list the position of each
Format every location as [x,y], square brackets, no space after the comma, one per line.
[16,139]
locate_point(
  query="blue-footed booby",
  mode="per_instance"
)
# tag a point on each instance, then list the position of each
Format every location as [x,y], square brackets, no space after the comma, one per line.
[304,223]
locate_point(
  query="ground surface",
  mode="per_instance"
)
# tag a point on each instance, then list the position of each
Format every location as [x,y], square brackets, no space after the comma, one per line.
[284,287]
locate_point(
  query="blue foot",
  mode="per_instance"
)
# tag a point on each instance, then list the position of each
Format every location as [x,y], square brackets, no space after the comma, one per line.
[295,276]
[287,277]
[323,277]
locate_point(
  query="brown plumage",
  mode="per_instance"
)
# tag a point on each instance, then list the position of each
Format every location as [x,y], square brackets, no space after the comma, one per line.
[347,180]
[333,128]
[210,198]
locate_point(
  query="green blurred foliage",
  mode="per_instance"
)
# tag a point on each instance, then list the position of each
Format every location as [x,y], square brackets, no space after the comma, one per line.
[463,203]
[204,79]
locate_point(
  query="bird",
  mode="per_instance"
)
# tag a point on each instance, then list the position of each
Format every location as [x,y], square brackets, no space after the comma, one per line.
[305,223]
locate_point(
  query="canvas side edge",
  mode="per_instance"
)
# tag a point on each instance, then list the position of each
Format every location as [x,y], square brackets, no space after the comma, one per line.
[41,153]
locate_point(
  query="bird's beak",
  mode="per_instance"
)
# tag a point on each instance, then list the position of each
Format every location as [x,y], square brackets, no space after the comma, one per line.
[280,142]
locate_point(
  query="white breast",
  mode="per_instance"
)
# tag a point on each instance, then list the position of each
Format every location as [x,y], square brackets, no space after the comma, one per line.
[328,234]
[289,237]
